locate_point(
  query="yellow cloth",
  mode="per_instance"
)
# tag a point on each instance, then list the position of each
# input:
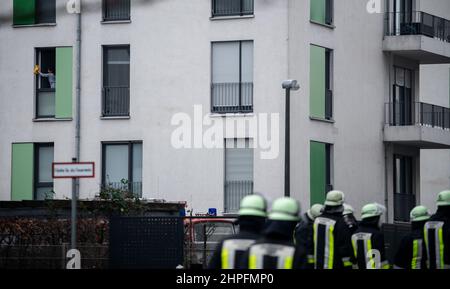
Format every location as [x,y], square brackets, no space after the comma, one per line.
[36,69]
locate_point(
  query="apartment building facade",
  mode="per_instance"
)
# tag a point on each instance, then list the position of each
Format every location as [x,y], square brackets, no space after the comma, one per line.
[371,117]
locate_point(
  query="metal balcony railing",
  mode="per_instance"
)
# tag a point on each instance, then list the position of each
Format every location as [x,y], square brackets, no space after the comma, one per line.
[403,204]
[417,113]
[134,188]
[116,10]
[232,97]
[417,23]
[235,191]
[116,101]
[232,7]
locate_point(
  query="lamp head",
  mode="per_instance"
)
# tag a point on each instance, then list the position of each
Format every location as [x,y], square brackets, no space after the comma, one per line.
[290,84]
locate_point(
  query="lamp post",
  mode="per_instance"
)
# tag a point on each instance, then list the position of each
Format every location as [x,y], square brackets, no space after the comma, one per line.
[288,85]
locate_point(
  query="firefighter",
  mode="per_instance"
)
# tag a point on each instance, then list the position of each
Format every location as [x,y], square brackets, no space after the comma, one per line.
[368,240]
[349,218]
[332,237]
[303,234]
[411,252]
[276,249]
[252,218]
[437,234]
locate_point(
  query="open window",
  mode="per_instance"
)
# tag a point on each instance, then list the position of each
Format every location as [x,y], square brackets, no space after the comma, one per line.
[45,82]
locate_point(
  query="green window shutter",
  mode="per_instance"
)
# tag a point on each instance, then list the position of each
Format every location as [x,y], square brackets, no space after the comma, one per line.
[318,11]
[317,82]
[24,12]
[317,172]
[64,86]
[22,172]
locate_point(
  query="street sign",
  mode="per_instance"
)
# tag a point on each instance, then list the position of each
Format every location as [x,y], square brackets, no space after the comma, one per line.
[73,170]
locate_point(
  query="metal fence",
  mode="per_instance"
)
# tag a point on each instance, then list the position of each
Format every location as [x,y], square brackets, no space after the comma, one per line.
[116,10]
[417,113]
[393,234]
[232,7]
[116,101]
[235,191]
[232,97]
[417,23]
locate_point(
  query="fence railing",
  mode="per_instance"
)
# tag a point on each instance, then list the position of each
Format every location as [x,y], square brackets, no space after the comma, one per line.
[232,7]
[232,97]
[116,10]
[116,101]
[417,113]
[135,188]
[417,23]
[234,192]
[403,204]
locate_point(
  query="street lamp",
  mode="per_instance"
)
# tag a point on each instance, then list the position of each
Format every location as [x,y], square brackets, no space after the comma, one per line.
[288,85]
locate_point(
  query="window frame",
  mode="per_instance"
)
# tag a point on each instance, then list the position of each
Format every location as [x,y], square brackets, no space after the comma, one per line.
[106,20]
[130,145]
[105,70]
[36,183]
[240,105]
[38,79]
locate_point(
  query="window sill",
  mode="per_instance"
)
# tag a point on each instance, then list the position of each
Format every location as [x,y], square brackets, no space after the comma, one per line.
[34,25]
[115,21]
[114,117]
[331,26]
[51,119]
[322,119]
[232,114]
[213,18]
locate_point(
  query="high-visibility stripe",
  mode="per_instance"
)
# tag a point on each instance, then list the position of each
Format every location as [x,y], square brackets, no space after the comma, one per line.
[366,238]
[310,259]
[328,258]
[416,261]
[283,253]
[229,249]
[438,244]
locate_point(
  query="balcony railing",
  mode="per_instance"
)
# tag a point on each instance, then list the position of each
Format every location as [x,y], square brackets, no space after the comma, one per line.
[417,23]
[232,7]
[417,113]
[116,101]
[235,191]
[116,10]
[134,188]
[403,204]
[232,97]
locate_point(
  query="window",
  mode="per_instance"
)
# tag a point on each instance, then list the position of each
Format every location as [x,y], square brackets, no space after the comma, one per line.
[402,97]
[54,83]
[122,167]
[320,171]
[232,77]
[31,171]
[238,172]
[116,10]
[116,80]
[404,192]
[30,12]
[43,171]
[321,78]
[322,11]
[232,7]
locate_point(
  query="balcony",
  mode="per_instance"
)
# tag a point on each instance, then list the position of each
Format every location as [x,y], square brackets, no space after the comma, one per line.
[116,101]
[224,8]
[232,97]
[419,36]
[235,191]
[417,124]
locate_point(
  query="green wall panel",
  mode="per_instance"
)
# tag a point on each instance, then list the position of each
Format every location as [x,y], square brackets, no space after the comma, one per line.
[318,10]
[22,173]
[317,81]
[24,12]
[64,82]
[317,172]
